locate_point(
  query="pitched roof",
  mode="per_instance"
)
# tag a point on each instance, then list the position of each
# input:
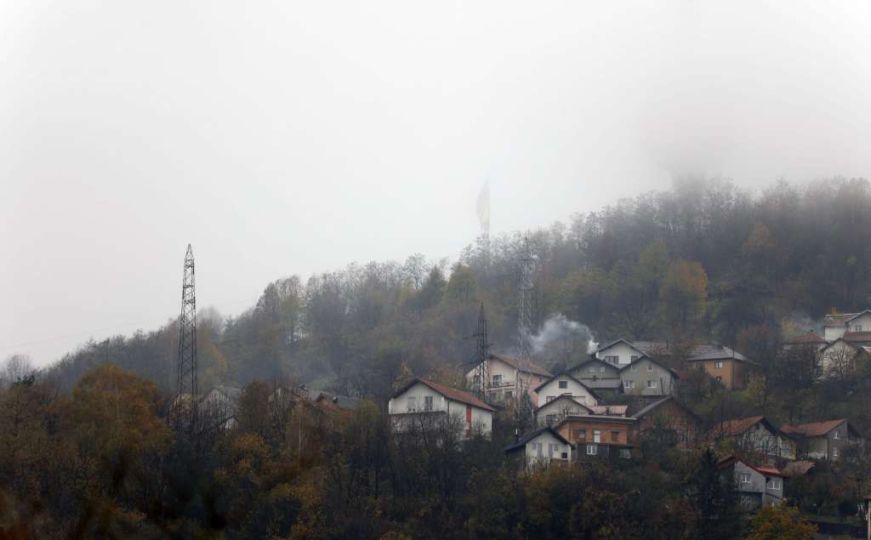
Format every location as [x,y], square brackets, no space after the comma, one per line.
[768,471]
[523,440]
[737,426]
[808,338]
[797,468]
[560,398]
[857,315]
[593,360]
[615,342]
[451,393]
[568,376]
[716,352]
[763,470]
[813,429]
[857,337]
[838,319]
[522,365]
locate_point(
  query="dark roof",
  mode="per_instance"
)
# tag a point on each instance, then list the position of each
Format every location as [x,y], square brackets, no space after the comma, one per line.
[716,352]
[656,404]
[450,393]
[598,418]
[673,372]
[813,429]
[737,426]
[808,338]
[568,376]
[521,442]
[522,365]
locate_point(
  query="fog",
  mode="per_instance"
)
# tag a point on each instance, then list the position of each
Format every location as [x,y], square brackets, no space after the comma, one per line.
[283,138]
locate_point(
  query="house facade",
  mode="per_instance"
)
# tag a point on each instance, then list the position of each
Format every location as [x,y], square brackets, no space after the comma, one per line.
[836,325]
[555,411]
[755,435]
[540,449]
[426,405]
[727,366]
[565,385]
[598,375]
[823,440]
[619,353]
[508,378]
[669,419]
[647,377]
[599,435]
[757,486]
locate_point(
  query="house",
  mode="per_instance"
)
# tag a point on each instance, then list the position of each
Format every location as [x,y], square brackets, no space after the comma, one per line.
[565,385]
[809,339]
[598,375]
[727,366]
[619,353]
[218,407]
[669,421]
[757,486]
[338,401]
[508,378]
[841,357]
[836,325]
[754,434]
[540,448]
[553,412]
[599,435]
[423,404]
[647,377]
[823,440]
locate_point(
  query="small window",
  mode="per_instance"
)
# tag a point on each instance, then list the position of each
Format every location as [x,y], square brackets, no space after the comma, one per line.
[565,455]
[634,367]
[601,369]
[625,453]
[776,484]
[548,399]
[857,328]
[476,380]
[551,449]
[649,366]
[563,384]
[834,453]
[497,380]
[597,436]
[651,383]
[411,403]
[718,378]
[836,435]
[744,478]
[634,358]
[427,403]
[718,364]
[628,385]
[538,447]
[592,449]
[612,359]
[550,419]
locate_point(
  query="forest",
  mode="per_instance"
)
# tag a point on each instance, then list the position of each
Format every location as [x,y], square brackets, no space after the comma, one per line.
[86,449]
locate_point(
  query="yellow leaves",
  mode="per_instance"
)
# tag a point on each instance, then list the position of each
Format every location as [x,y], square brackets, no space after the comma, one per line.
[759,240]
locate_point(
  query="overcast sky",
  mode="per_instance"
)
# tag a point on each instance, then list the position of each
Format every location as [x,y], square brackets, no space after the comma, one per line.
[295,137]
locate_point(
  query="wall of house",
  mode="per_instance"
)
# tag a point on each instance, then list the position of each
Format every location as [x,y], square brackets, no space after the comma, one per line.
[580,431]
[831,333]
[559,409]
[671,416]
[552,449]
[837,358]
[622,351]
[643,371]
[400,404]
[757,480]
[860,324]
[817,447]
[481,420]
[552,390]
[507,386]
[595,371]
[759,439]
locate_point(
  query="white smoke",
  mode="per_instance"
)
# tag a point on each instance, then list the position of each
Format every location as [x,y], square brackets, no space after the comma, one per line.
[562,340]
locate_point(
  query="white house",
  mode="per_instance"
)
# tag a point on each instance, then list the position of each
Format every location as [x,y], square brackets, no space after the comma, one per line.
[619,353]
[218,407]
[423,404]
[553,412]
[838,358]
[647,377]
[756,486]
[836,325]
[507,378]
[566,385]
[540,448]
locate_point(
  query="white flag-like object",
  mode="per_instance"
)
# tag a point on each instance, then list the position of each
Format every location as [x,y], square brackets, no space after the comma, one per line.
[483,207]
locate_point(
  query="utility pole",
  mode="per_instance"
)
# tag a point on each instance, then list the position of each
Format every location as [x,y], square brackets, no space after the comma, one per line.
[483,353]
[185,406]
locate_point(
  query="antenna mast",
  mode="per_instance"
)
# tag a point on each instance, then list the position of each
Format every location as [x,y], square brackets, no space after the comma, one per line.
[187,393]
[483,353]
[525,302]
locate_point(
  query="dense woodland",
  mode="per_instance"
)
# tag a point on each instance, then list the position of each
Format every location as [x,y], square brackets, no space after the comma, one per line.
[85,448]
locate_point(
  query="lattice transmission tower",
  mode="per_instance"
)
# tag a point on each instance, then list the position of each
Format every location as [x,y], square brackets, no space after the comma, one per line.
[525,302]
[187,393]
[482,372]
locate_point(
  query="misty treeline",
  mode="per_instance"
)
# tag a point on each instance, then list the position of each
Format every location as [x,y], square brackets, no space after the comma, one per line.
[704,261]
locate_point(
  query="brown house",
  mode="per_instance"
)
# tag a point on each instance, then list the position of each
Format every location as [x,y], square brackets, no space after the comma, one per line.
[727,366]
[594,435]
[668,418]
[823,440]
[754,435]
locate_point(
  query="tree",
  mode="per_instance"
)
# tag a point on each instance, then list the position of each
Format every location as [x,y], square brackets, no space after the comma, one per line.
[684,293]
[780,522]
[713,497]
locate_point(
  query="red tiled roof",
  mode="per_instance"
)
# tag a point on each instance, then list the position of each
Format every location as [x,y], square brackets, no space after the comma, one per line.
[769,471]
[736,426]
[808,338]
[813,429]
[523,365]
[454,394]
[857,337]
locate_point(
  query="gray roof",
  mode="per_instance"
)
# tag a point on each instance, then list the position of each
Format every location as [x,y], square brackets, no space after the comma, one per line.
[716,352]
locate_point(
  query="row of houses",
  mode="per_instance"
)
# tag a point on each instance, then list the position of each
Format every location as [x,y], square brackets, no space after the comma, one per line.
[846,341]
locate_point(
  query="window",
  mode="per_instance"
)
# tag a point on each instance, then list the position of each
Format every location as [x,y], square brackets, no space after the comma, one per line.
[597,436]
[550,419]
[719,379]
[497,380]
[509,394]
[628,385]
[551,450]
[718,364]
[651,383]
[592,449]
[857,328]
[634,358]
[581,434]
[411,403]
[563,384]
[649,366]
[548,399]
[601,369]
[834,453]
[427,403]
[537,448]
[744,478]
[564,455]
[612,359]
[775,484]
[836,435]
[625,453]
[476,380]
[615,436]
